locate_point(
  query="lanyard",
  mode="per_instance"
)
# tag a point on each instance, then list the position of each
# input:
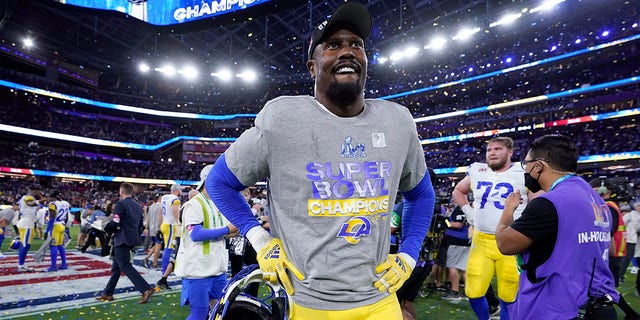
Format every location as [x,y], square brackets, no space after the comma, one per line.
[563,178]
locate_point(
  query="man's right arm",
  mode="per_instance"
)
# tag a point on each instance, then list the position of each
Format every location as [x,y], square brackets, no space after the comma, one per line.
[460,192]
[459,195]
[224,189]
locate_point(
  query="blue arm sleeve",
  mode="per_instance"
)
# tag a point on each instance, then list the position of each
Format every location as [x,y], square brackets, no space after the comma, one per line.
[199,233]
[416,216]
[49,226]
[224,189]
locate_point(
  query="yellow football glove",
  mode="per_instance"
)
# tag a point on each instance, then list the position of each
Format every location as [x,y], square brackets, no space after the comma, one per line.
[397,269]
[273,262]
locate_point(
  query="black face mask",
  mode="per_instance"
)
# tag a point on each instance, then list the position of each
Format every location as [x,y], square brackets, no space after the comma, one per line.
[531,183]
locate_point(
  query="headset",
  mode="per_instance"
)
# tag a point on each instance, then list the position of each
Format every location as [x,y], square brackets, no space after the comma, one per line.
[237,304]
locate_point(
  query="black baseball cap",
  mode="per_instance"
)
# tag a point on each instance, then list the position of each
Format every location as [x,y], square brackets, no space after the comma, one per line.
[351,16]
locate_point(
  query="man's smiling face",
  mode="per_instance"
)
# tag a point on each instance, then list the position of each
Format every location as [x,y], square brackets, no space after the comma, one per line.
[340,67]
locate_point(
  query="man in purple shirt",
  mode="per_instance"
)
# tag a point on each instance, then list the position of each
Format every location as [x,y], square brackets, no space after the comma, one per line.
[562,238]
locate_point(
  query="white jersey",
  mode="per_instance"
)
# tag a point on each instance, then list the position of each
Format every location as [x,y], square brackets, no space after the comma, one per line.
[63,211]
[169,200]
[27,217]
[490,190]
[202,259]
[41,215]
[23,203]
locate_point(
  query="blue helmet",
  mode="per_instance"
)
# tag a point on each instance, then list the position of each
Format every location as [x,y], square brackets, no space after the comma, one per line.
[237,304]
[15,243]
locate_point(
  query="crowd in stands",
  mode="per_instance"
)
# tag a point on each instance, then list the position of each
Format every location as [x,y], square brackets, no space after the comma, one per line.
[526,43]
[620,61]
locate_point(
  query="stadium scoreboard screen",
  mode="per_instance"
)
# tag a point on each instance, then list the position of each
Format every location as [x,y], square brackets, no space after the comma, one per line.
[169,12]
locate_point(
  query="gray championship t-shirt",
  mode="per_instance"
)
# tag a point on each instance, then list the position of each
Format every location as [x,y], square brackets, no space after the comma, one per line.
[332,185]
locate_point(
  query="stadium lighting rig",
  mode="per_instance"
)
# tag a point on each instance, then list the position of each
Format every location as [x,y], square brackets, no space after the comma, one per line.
[466,33]
[223,74]
[436,43]
[247,75]
[506,20]
[167,69]
[546,6]
[191,72]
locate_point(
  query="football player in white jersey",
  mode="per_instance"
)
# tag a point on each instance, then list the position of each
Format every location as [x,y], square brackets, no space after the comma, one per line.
[170,206]
[59,212]
[26,221]
[490,183]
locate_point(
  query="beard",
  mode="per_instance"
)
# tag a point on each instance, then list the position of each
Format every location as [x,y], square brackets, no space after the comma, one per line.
[497,165]
[343,94]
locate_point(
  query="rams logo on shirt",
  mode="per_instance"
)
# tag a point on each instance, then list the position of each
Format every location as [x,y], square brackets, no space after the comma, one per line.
[354,229]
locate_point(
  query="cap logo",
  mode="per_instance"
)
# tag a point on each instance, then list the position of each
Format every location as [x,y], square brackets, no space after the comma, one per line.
[322,25]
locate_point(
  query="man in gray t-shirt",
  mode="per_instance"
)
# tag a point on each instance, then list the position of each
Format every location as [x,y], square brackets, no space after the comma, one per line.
[334,163]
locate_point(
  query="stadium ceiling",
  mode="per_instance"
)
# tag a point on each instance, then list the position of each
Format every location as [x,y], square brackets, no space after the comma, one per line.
[273,36]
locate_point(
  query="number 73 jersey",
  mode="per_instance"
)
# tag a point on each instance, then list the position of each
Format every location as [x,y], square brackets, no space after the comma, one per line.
[490,190]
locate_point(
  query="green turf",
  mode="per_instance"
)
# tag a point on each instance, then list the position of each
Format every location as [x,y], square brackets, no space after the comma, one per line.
[166,304]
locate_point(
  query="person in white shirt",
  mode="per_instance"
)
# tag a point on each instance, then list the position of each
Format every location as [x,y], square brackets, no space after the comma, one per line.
[59,213]
[170,205]
[491,183]
[6,218]
[202,258]
[26,221]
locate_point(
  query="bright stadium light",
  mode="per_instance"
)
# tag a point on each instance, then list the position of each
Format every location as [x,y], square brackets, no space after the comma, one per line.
[143,67]
[189,72]
[605,33]
[28,42]
[396,55]
[223,74]
[168,70]
[507,19]
[247,75]
[547,5]
[410,51]
[382,60]
[465,33]
[436,43]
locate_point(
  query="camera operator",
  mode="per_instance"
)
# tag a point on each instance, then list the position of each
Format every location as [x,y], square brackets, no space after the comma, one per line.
[562,238]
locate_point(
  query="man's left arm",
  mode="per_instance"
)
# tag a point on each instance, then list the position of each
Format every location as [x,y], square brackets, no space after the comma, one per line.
[416,217]
[53,211]
[418,208]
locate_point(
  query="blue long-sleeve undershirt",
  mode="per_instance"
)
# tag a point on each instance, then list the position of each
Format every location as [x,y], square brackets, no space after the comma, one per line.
[199,233]
[224,189]
[416,216]
[49,226]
